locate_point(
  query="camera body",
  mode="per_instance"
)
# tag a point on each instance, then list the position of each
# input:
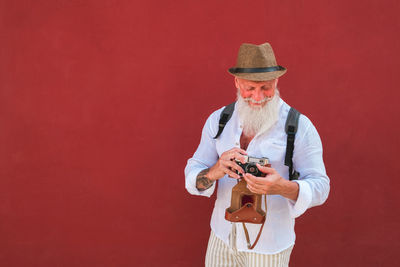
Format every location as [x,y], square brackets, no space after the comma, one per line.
[250,165]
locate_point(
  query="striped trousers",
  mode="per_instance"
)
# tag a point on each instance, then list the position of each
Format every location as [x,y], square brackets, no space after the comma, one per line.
[220,255]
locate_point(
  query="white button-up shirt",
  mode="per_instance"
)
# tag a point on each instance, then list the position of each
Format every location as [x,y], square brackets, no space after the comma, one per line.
[278,233]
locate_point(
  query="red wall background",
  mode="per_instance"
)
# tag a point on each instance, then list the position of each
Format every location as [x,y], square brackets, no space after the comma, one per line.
[102,102]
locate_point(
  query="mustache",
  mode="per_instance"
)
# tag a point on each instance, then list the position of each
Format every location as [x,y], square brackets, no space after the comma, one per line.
[265,99]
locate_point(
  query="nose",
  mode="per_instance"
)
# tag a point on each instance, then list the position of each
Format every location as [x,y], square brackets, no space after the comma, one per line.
[258,95]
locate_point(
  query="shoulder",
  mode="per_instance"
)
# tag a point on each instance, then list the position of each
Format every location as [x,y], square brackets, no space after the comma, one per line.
[305,125]
[216,114]
[212,121]
[304,121]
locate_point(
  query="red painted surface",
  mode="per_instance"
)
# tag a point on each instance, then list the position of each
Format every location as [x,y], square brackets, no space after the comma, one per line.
[102,102]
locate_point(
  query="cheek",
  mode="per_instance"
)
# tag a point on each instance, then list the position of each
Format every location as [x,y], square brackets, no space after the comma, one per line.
[245,94]
[268,93]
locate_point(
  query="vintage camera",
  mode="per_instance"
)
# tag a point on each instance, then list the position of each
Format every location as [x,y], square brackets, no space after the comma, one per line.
[251,167]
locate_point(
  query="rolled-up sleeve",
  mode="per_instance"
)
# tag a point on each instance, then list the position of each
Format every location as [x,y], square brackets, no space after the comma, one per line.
[205,156]
[313,181]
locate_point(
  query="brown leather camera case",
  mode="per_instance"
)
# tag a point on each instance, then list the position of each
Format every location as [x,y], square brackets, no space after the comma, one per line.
[245,205]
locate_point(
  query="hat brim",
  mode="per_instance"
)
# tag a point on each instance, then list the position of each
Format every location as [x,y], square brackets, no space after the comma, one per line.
[259,76]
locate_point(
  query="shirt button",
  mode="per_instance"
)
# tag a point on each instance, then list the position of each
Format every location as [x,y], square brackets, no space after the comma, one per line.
[237,143]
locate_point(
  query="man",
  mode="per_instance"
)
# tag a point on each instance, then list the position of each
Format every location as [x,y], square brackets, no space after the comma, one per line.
[257,129]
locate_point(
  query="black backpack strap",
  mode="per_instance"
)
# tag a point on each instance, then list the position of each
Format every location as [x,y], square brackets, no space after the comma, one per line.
[291,125]
[225,116]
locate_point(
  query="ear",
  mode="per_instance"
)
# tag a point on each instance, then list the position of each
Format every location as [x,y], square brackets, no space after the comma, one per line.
[236,82]
[276,82]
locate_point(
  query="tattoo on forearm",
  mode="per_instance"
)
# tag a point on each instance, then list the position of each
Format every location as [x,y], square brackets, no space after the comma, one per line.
[202,182]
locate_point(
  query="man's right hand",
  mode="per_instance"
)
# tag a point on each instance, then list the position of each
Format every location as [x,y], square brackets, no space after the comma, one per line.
[226,164]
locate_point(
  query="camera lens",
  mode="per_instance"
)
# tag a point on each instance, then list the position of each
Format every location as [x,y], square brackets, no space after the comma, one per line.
[252,169]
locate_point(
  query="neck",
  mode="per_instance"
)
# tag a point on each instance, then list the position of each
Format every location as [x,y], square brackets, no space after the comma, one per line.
[245,140]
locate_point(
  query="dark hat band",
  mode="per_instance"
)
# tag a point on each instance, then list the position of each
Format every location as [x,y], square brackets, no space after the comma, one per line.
[256,70]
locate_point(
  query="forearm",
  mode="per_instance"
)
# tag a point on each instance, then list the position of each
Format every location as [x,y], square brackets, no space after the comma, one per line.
[202,181]
[289,189]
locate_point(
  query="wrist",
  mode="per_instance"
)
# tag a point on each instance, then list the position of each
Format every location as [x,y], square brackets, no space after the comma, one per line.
[211,174]
[290,189]
[282,185]
[211,177]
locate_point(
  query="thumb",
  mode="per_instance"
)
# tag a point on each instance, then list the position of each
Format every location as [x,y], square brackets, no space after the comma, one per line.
[265,169]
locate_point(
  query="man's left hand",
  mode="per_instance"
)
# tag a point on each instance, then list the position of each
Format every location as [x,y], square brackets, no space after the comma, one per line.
[271,184]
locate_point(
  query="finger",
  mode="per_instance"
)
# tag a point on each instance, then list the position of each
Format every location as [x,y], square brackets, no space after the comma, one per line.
[238,149]
[235,150]
[249,178]
[235,155]
[240,157]
[265,169]
[233,165]
[250,184]
[258,188]
[228,155]
[252,181]
[255,180]
[232,174]
[232,151]
[255,190]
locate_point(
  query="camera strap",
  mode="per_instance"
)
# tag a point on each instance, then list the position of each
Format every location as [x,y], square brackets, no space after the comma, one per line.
[291,125]
[249,245]
[292,122]
[225,116]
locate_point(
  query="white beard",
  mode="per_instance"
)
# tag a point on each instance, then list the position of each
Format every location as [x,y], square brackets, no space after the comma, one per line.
[257,120]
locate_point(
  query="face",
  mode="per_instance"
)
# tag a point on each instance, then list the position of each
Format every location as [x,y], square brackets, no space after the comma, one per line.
[255,92]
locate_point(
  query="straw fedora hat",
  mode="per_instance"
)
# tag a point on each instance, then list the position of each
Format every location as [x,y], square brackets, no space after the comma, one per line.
[256,63]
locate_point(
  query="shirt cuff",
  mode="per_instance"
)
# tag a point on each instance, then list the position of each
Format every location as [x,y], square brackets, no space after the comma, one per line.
[298,207]
[191,185]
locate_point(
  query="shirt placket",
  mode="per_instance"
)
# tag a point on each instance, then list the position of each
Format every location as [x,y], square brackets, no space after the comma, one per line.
[237,136]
